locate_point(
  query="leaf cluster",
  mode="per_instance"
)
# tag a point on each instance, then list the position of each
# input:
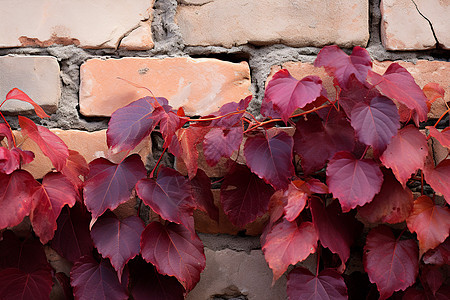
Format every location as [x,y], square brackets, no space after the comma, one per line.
[353,172]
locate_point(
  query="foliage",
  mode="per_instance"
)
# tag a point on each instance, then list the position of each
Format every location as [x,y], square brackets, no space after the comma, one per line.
[351,161]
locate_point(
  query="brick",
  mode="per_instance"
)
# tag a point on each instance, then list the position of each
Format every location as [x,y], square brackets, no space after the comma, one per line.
[204,224]
[89,144]
[261,22]
[37,76]
[232,273]
[405,26]
[88,24]
[423,72]
[200,86]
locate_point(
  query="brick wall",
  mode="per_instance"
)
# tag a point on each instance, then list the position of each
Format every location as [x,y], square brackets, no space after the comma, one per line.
[200,54]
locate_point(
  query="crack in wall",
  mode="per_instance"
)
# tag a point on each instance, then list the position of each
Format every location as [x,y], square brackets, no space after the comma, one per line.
[429,22]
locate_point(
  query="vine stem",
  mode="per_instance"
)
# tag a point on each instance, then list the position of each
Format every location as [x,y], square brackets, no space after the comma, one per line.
[215,118]
[318,258]
[157,163]
[401,233]
[365,151]
[293,116]
[421,182]
[447,111]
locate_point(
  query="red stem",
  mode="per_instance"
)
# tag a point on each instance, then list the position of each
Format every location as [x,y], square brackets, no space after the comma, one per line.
[157,163]
[448,110]
[215,118]
[365,151]
[293,116]
[318,258]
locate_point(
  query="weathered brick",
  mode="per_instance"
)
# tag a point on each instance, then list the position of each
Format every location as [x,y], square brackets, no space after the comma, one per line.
[37,76]
[200,86]
[295,23]
[423,71]
[88,24]
[89,144]
[230,273]
[405,24]
[203,223]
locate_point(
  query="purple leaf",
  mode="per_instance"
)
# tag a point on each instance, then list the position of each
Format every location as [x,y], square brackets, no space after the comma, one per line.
[220,143]
[118,240]
[244,196]
[108,185]
[376,122]
[271,158]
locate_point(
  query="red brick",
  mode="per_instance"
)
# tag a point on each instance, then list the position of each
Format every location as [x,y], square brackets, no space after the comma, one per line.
[404,24]
[89,144]
[295,23]
[37,76]
[88,24]
[423,72]
[200,86]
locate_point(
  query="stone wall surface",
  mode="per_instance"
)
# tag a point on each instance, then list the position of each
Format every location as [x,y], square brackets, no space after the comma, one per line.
[81,60]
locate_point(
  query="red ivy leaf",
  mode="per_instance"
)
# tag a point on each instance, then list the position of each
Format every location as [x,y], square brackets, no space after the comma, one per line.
[220,143]
[174,251]
[398,84]
[75,167]
[342,66]
[287,243]
[297,195]
[336,231]
[117,239]
[16,192]
[287,93]
[130,124]
[203,196]
[442,136]
[189,139]
[170,195]
[439,255]
[439,177]
[24,270]
[391,263]
[406,153]
[317,141]
[17,94]
[93,280]
[271,158]
[430,222]
[329,284]
[433,278]
[51,145]
[108,184]
[20,285]
[72,238]
[48,200]
[149,283]
[240,205]
[392,204]
[376,122]
[11,160]
[353,181]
